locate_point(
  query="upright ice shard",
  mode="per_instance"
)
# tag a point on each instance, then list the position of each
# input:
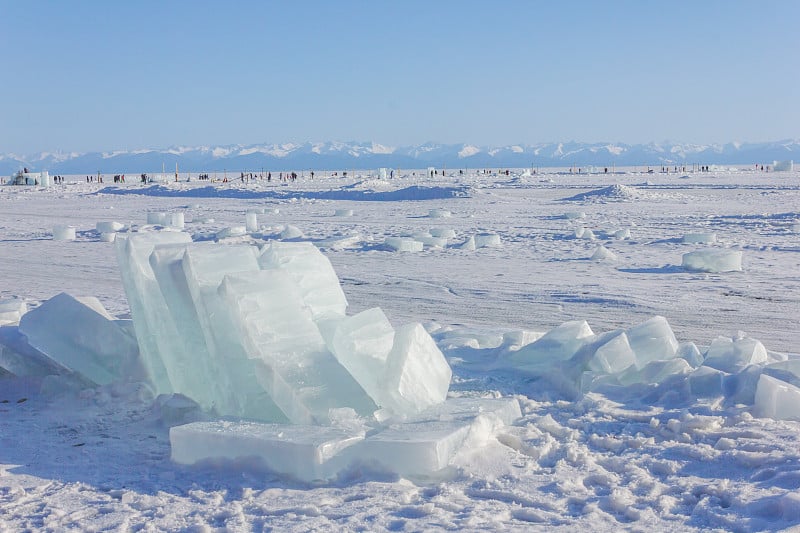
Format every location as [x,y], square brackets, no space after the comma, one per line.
[238,391]
[148,307]
[403,371]
[295,367]
[190,365]
[311,271]
[362,344]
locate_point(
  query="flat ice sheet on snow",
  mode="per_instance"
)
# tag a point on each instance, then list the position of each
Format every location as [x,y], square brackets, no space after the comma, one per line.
[421,446]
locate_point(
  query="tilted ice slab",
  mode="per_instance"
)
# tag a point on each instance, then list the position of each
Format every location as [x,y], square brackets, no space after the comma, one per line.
[148,307]
[420,447]
[79,334]
[215,378]
[403,371]
[277,330]
[240,391]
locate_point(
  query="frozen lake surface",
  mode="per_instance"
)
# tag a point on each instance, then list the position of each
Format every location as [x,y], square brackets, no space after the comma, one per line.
[99,458]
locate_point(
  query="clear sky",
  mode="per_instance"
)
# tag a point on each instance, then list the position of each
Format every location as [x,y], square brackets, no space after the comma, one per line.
[108,75]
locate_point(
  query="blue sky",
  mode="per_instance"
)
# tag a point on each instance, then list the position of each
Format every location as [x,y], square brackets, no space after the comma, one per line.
[107,75]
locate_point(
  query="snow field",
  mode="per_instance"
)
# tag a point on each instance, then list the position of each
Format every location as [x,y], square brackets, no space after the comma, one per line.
[675,444]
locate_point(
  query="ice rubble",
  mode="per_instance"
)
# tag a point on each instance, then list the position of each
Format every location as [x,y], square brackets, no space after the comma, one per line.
[264,335]
[261,337]
[647,361]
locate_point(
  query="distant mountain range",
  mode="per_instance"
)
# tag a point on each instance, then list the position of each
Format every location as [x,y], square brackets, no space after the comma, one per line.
[360,155]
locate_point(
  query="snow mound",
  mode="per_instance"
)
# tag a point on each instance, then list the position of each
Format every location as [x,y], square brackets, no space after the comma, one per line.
[612,193]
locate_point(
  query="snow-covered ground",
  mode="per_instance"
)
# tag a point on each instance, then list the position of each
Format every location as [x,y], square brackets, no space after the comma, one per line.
[99,458]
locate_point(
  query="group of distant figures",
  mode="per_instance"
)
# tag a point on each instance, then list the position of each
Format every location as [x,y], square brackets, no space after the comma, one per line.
[58,179]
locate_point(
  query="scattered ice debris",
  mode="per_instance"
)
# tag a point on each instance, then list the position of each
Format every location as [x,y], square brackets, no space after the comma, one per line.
[601,253]
[622,234]
[574,215]
[233,231]
[79,334]
[63,233]
[439,213]
[109,227]
[487,240]
[585,233]
[11,310]
[175,220]
[339,242]
[468,244]
[431,241]
[443,233]
[251,224]
[291,232]
[713,261]
[403,244]
[700,238]
[158,218]
[343,213]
